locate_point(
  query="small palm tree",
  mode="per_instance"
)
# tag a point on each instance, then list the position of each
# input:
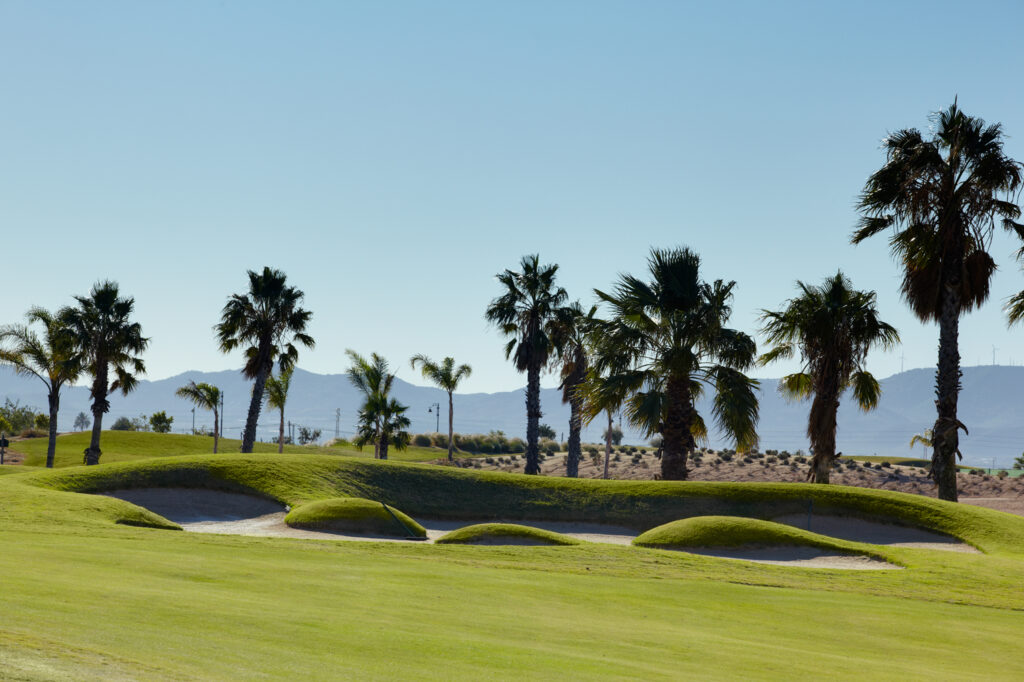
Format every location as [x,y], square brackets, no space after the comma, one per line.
[925,439]
[942,198]
[832,328]
[380,418]
[207,397]
[266,322]
[382,421]
[101,330]
[526,311]
[664,342]
[277,396]
[571,340]
[447,377]
[50,358]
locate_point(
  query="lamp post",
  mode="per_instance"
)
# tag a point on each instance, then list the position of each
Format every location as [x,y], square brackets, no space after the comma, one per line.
[193,421]
[436,409]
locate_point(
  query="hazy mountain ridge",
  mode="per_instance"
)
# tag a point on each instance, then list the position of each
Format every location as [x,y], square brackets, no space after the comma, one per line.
[990,405]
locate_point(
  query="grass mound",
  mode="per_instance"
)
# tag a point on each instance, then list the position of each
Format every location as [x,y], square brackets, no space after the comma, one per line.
[505,534]
[354,515]
[732,531]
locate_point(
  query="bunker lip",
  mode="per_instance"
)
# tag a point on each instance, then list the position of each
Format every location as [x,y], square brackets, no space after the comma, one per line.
[799,557]
[875,532]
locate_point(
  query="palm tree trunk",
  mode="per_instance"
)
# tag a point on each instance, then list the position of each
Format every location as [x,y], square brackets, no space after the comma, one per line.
[216,429]
[99,407]
[608,445]
[533,415]
[821,427]
[945,438]
[280,434]
[451,425]
[51,446]
[249,437]
[677,436]
[572,462]
[383,446]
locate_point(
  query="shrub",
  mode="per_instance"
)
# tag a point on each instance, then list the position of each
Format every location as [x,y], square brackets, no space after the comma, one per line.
[160,422]
[122,424]
[42,422]
[725,456]
[33,433]
[1003,473]
[421,440]
[885,465]
[545,431]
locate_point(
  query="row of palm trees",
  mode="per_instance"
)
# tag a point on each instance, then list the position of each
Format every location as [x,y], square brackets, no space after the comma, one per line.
[666,342]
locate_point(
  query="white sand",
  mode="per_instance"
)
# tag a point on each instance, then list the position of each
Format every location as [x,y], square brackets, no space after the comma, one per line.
[212,511]
[875,533]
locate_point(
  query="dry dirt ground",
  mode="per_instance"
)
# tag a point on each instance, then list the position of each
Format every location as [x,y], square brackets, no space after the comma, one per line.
[982,490]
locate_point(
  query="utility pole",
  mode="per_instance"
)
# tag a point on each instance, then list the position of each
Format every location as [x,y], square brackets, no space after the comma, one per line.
[222,414]
[337,424]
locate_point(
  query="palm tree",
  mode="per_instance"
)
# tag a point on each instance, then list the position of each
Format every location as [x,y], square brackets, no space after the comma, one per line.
[447,377]
[382,421]
[925,439]
[571,341]
[527,311]
[942,198]
[277,396]
[266,321]
[101,331]
[51,358]
[832,328]
[207,397]
[665,341]
[373,378]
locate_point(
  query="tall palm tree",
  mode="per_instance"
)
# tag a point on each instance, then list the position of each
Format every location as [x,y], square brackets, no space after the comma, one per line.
[447,377]
[277,396]
[832,328]
[526,311]
[942,197]
[207,397]
[665,341]
[50,358]
[266,321]
[373,378]
[101,330]
[571,340]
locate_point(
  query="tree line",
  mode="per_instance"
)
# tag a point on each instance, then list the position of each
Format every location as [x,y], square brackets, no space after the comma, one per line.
[663,343]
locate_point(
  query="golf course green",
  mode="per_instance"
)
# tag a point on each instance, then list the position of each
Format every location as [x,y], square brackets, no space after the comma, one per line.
[93,587]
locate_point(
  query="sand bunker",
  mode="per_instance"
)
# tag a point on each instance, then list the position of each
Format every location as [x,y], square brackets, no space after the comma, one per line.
[875,533]
[199,510]
[802,557]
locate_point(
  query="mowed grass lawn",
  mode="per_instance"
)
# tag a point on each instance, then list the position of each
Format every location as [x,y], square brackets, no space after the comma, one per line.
[122,446]
[83,596]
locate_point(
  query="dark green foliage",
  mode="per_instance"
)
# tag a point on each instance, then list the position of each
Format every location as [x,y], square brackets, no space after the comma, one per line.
[160,422]
[122,424]
[545,431]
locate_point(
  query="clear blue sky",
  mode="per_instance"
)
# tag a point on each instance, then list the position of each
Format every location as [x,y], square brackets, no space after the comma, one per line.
[392,157]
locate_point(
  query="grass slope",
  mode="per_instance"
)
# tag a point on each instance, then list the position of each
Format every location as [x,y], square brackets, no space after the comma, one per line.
[124,446]
[501,533]
[85,597]
[356,515]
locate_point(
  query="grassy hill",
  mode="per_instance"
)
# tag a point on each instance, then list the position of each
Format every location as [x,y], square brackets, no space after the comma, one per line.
[121,446]
[86,596]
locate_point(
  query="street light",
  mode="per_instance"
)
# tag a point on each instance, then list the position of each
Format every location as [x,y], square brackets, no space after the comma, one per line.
[193,421]
[436,409]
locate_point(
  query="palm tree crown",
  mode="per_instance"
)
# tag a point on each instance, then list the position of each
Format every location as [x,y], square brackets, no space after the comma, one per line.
[571,339]
[267,322]
[277,396]
[101,329]
[832,328]
[447,377]
[207,397]
[382,419]
[526,312]
[51,358]
[665,341]
[942,197]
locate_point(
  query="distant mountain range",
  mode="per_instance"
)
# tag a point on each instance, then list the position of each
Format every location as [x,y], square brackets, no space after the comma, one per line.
[991,405]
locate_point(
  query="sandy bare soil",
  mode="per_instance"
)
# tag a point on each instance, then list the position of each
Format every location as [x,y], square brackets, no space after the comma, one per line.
[805,557]
[982,490]
[212,511]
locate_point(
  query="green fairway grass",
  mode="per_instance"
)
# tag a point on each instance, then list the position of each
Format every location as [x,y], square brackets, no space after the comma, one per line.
[85,596]
[121,446]
[510,532]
